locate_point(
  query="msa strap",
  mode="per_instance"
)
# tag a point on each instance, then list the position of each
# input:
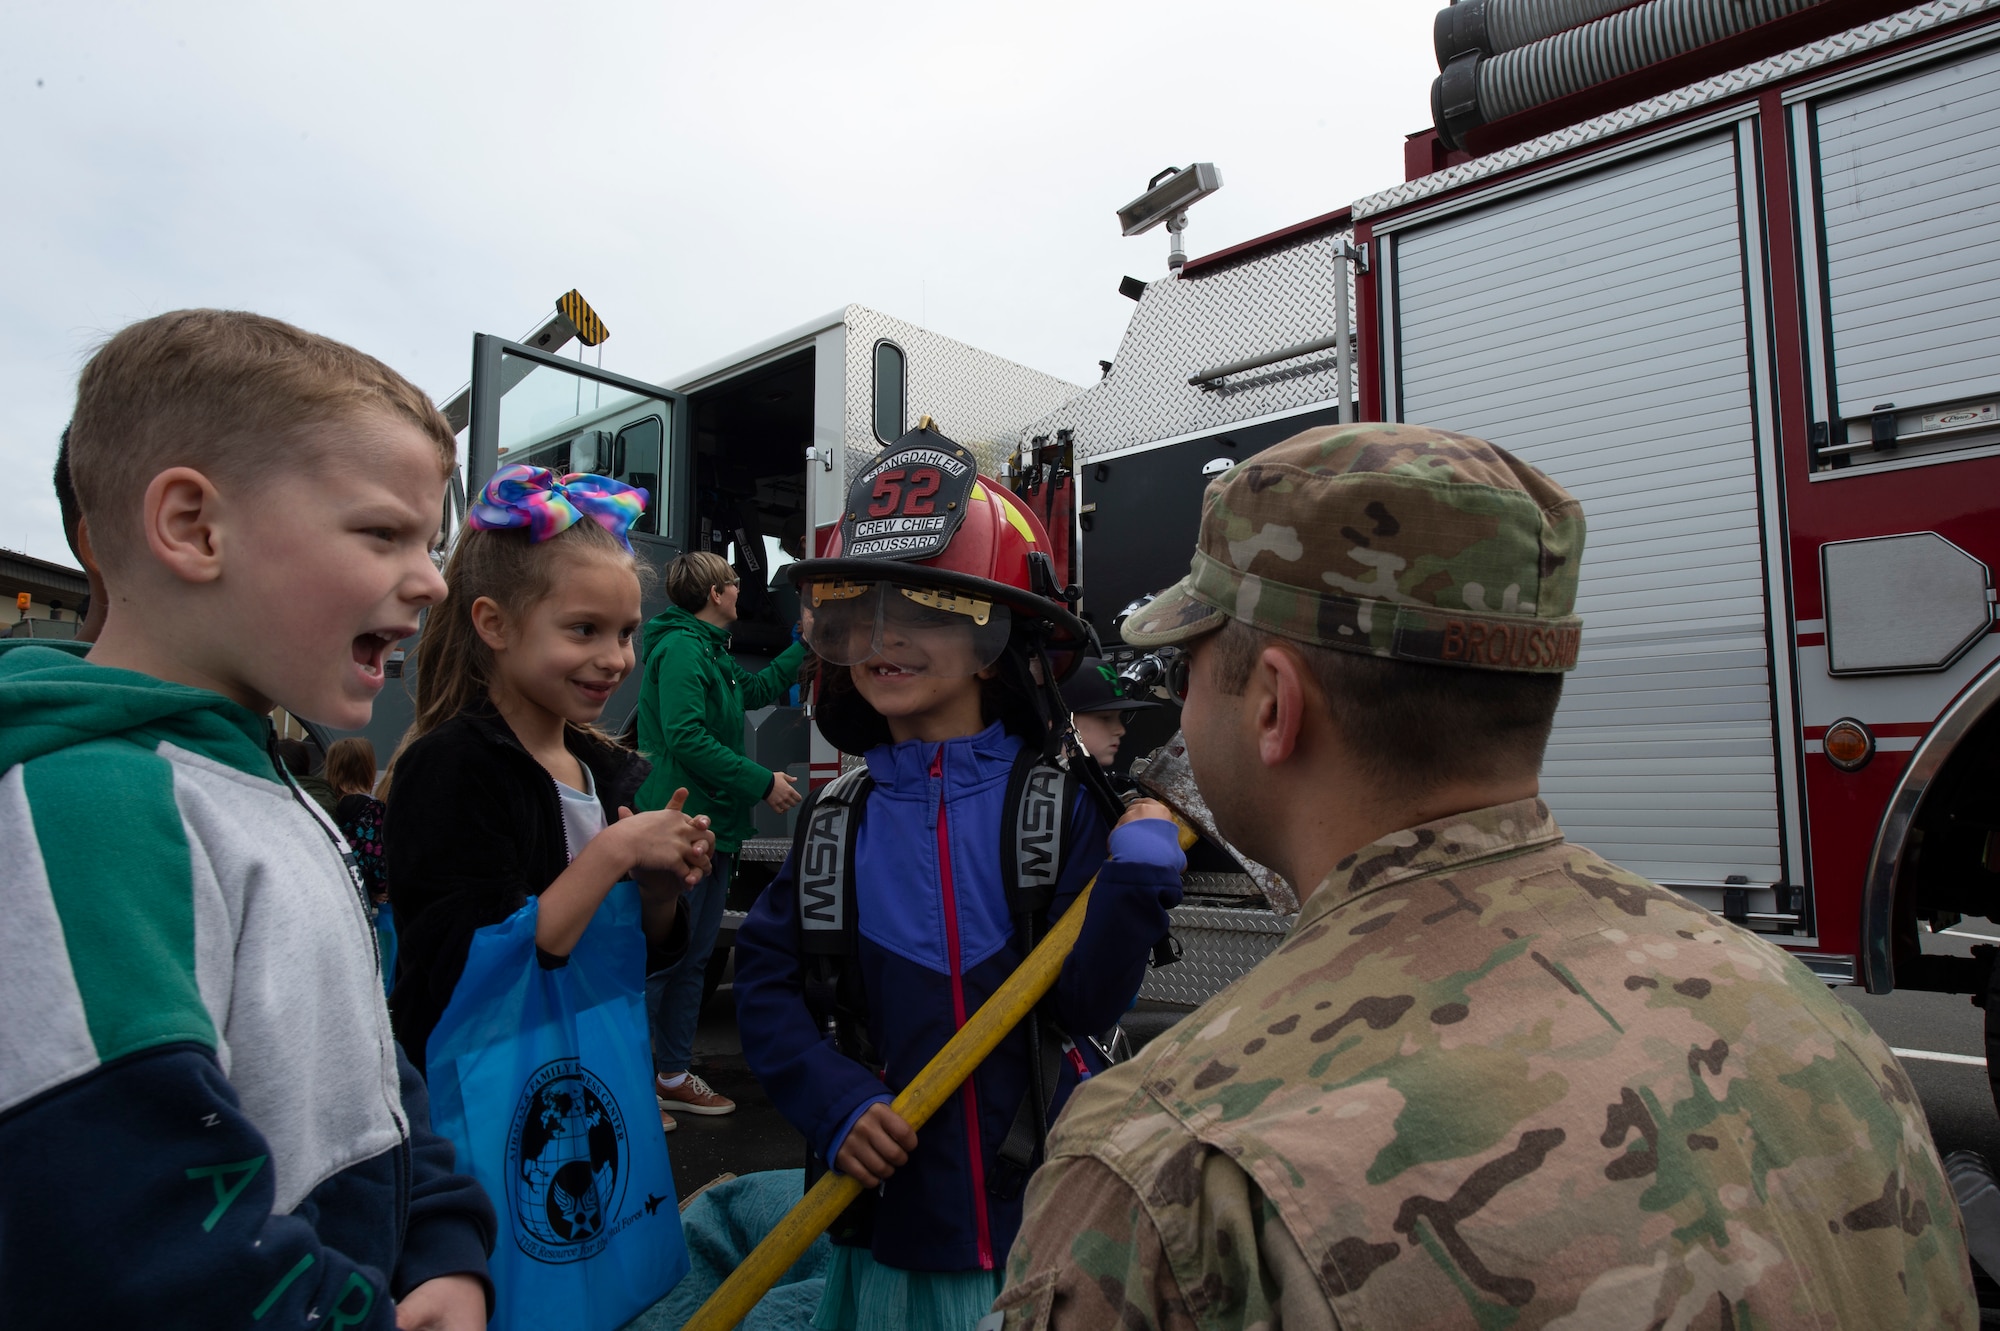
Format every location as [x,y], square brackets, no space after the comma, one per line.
[825,856]
[823,853]
[1035,843]
[1035,834]
[1035,837]
[1035,840]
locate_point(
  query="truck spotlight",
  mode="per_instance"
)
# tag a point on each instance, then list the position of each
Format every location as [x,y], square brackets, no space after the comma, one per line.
[1167,198]
[1849,744]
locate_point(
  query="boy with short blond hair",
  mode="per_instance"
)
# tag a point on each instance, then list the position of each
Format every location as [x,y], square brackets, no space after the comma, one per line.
[205,1117]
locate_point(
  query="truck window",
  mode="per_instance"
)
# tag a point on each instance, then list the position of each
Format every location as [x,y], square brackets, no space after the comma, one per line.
[637,456]
[891,391]
[1908,223]
[568,423]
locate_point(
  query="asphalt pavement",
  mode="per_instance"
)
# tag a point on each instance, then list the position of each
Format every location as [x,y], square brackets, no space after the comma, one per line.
[755,1137]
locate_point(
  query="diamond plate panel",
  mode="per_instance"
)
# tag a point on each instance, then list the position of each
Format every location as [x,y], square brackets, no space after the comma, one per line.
[1184,325]
[1798,60]
[977,398]
[1219,945]
[1212,883]
[765,849]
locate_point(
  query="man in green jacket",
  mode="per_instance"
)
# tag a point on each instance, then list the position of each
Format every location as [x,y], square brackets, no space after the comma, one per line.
[691,707]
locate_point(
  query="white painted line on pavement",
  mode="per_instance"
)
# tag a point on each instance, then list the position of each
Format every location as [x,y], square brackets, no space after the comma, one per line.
[1964,932]
[1932,1056]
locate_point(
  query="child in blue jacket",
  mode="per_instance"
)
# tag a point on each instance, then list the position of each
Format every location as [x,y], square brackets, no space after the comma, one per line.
[933,645]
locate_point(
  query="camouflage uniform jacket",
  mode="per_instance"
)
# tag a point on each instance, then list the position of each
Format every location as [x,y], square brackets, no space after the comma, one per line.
[1491,1080]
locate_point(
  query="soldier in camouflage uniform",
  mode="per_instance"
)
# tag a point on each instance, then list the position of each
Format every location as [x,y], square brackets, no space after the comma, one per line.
[1489,1080]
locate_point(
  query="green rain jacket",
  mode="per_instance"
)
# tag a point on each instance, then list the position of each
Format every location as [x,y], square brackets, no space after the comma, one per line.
[691,707]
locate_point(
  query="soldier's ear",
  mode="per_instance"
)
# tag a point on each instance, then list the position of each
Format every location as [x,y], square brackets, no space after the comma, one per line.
[1277,694]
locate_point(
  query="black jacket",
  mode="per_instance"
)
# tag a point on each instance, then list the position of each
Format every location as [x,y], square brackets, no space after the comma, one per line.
[474,829]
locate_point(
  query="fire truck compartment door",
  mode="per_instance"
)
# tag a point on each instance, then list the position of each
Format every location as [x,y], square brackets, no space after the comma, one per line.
[1909,199]
[1597,328]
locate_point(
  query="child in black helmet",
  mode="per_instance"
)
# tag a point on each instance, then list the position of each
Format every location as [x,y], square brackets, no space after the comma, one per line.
[937,653]
[1100,704]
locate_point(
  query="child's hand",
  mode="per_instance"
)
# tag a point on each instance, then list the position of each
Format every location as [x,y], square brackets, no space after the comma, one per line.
[666,851]
[667,843]
[446,1303]
[879,1142]
[1138,809]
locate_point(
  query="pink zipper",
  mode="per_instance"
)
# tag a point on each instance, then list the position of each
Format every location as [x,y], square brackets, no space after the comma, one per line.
[967,1095]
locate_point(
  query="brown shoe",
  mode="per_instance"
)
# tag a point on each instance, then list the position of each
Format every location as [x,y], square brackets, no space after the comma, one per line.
[692,1096]
[667,1121]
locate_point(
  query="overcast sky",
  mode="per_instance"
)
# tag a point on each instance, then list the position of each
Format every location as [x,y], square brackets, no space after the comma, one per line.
[401,176]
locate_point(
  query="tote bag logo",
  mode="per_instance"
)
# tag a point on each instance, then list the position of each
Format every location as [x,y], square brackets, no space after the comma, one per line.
[567,1158]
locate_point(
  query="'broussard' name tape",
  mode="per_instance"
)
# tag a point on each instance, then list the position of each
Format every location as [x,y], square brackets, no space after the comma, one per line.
[1517,646]
[917,457]
[889,545]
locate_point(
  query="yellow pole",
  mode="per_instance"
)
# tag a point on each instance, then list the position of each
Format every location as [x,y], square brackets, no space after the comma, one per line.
[925,1095]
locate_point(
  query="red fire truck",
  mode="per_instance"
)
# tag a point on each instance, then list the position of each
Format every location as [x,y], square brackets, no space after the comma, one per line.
[1741,295]
[1751,321]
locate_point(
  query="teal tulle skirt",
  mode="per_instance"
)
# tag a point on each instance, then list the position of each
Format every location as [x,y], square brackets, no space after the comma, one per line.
[864,1295]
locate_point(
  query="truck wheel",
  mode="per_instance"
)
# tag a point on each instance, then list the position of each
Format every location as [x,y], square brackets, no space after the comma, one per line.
[1990,1000]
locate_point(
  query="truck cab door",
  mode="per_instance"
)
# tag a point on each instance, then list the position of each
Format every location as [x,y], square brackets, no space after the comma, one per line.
[529,406]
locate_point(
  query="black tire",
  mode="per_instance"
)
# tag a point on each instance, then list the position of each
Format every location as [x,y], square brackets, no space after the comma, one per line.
[1990,1000]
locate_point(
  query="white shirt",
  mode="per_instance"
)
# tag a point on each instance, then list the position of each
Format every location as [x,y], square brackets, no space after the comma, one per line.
[582,815]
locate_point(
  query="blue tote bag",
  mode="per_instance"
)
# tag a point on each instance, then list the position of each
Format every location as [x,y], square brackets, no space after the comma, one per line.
[543,1080]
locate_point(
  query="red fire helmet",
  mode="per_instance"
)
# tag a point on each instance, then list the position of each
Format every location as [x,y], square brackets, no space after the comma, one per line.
[920,515]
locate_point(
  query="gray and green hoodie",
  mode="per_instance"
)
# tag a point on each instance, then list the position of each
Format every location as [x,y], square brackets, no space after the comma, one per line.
[204,1117]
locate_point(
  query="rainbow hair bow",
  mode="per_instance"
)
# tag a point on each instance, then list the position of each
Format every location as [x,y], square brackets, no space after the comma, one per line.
[534,497]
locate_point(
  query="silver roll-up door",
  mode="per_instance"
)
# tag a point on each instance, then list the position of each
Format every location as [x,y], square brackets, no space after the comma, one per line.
[1909,176]
[1597,329]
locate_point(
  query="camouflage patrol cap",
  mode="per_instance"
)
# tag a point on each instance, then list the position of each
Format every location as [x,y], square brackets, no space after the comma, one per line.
[1396,540]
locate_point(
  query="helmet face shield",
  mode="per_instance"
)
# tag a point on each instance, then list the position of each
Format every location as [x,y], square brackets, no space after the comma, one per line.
[920,630]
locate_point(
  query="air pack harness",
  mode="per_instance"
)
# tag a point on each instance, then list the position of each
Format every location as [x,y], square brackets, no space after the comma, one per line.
[1036,838]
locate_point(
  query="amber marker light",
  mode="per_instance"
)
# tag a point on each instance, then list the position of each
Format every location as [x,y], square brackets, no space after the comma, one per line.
[1849,745]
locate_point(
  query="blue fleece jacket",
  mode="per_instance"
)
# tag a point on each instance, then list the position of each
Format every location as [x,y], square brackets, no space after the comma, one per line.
[204,1118]
[935,942]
